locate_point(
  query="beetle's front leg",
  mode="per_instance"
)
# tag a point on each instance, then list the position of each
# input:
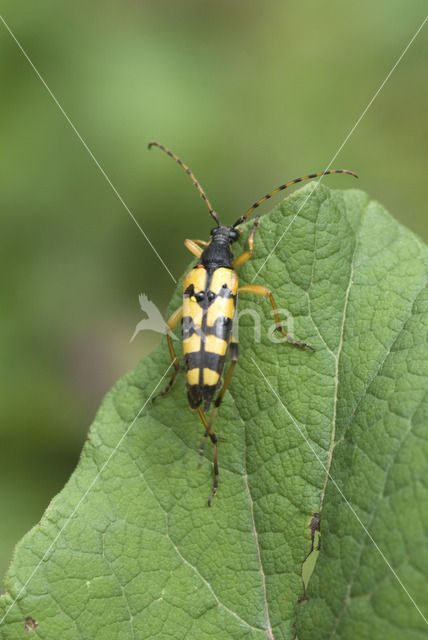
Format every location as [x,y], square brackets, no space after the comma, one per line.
[194,246]
[246,255]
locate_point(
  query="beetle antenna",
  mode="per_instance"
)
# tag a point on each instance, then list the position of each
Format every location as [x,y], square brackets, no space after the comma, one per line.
[289,184]
[191,176]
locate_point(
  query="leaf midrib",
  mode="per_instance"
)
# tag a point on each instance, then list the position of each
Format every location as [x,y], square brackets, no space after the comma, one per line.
[190,565]
[268,630]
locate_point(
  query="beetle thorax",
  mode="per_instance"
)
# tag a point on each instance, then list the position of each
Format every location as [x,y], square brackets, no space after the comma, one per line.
[218,253]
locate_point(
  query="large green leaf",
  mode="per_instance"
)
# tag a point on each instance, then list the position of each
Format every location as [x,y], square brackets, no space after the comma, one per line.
[129,548]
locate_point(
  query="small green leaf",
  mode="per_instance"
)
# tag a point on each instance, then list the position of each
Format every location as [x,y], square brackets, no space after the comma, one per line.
[129,548]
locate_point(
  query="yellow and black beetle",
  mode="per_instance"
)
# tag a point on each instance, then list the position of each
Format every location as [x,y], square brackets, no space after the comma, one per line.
[210,295]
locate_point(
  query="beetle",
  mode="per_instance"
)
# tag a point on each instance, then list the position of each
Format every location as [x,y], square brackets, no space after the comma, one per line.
[210,295]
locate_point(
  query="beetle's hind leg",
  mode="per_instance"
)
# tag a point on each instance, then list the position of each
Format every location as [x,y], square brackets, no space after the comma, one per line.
[172,322]
[209,432]
[233,350]
[208,425]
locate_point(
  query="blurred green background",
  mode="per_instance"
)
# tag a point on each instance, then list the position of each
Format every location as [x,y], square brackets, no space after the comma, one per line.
[249,94]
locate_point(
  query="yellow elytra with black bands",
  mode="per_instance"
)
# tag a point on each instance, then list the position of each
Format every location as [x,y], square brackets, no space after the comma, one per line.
[209,304]
[210,295]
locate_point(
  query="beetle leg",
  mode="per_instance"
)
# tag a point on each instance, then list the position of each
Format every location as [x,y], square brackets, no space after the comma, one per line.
[172,322]
[203,243]
[233,346]
[247,254]
[193,247]
[264,291]
[209,432]
[218,400]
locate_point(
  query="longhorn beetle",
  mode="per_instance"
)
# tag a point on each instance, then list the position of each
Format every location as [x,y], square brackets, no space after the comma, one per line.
[210,295]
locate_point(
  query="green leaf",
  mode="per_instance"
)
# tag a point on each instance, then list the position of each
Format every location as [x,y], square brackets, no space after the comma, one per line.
[129,548]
